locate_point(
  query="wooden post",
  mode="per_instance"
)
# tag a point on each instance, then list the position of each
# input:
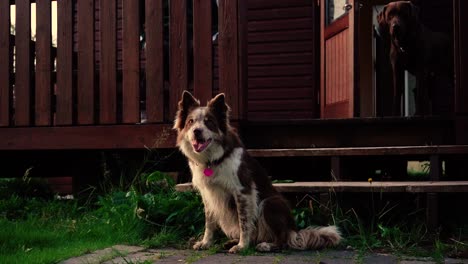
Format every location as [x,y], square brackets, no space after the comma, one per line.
[6,65]
[131,62]
[108,63]
[154,60]
[232,55]
[43,93]
[64,91]
[178,67]
[336,168]
[85,82]
[432,206]
[23,67]
[202,51]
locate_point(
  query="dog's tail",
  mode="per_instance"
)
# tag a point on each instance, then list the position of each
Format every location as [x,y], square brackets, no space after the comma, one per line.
[314,238]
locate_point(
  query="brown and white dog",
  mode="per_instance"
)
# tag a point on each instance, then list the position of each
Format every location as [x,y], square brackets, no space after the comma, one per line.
[237,194]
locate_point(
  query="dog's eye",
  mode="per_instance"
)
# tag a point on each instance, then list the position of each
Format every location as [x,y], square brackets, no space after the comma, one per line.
[190,121]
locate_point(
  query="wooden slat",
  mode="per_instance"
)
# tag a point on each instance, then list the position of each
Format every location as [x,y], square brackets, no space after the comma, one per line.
[64,90]
[461,57]
[23,64]
[286,35]
[131,63]
[362,151]
[281,24]
[242,54]
[88,137]
[5,66]
[395,187]
[108,66]
[281,47]
[277,13]
[202,51]
[43,93]
[154,61]
[178,53]
[264,4]
[86,88]
[228,54]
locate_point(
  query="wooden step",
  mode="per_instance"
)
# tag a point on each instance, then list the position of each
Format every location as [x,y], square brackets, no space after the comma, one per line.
[395,187]
[362,151]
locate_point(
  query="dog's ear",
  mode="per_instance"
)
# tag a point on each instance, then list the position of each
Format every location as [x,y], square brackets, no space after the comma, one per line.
[383,25]
[221,110]
[185,105]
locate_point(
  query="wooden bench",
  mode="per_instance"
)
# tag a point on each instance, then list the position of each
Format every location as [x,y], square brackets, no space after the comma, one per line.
[430,188]
[387,187]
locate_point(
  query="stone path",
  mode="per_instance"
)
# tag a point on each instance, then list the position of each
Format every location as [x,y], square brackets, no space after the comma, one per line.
[130,254]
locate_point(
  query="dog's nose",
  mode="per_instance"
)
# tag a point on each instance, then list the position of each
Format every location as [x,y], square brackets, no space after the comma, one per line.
[198,133]
[396,27]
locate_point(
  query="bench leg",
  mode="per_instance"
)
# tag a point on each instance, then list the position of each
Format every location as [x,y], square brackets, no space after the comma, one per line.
[432,211]
[325,204]
[436,168]
[336,168]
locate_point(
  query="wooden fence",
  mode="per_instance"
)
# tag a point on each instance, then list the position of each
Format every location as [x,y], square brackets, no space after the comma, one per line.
[95,76]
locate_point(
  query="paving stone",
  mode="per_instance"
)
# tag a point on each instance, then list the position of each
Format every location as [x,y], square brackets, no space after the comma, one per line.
[380,258]
[103,255]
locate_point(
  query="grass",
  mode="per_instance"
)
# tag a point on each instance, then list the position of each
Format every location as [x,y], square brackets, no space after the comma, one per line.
[45,230]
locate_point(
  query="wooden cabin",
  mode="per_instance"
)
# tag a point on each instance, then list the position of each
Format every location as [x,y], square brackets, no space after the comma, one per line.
[298,74]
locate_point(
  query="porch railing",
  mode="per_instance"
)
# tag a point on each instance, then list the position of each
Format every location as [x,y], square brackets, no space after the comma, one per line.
[109,65]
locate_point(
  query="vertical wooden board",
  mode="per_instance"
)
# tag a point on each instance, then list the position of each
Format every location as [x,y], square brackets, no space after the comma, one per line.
[85,87]
[64,90]
[108,66]
[461,58]
[154,60]
[43,64]
[23,64]
[178,74]
[228,54]
[242,33]
[131,62]
[202,51]
[5,66]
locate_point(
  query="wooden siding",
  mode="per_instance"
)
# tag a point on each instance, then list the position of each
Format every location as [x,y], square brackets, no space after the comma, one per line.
[282,60]
[337,64]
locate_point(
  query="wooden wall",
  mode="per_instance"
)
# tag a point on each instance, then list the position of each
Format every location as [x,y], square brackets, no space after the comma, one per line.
[283,59]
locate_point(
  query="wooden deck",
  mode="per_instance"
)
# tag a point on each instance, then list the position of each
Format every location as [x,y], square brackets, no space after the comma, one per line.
[388,187]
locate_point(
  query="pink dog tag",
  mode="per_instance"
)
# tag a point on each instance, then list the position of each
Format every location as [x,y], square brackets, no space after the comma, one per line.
[208,172]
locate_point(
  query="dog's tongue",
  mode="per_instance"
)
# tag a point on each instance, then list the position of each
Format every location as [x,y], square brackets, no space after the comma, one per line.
[199,146]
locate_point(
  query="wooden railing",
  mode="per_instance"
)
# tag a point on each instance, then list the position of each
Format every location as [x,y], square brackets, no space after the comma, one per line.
[116,62]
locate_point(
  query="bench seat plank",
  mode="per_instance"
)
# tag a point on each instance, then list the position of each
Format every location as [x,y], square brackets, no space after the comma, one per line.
[361,151]
[395,187]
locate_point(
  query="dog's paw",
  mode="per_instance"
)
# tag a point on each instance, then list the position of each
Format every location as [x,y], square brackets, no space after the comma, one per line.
[200,245]
[236,249]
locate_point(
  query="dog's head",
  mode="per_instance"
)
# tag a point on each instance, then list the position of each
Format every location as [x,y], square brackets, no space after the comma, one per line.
[201,128]
[397,20]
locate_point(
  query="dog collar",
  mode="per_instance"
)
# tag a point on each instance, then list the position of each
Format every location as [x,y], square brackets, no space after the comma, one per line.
[208,170]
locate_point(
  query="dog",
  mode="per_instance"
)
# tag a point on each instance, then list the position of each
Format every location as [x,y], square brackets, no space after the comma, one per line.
[420,51]
[237,194]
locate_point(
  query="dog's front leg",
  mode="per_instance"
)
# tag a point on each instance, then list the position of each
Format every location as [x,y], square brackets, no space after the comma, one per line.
[210,227]
[245,213]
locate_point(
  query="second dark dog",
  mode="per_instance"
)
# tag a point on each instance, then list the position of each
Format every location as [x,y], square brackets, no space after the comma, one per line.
[415,48]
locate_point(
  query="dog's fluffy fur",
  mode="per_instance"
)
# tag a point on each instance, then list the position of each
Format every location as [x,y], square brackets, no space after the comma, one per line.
[238,197]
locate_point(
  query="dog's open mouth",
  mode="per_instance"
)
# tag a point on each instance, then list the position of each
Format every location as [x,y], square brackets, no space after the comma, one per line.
[200,144]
